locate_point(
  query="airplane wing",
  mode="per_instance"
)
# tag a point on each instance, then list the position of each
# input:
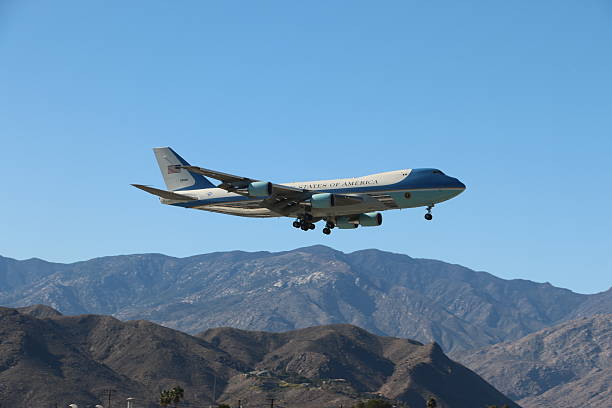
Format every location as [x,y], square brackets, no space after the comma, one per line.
[282,200]
[164,194]
[235,184]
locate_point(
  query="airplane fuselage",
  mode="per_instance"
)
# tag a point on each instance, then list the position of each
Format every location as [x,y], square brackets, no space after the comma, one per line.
[397,189]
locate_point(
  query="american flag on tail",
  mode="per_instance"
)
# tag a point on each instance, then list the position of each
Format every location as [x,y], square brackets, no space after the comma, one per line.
[175,168]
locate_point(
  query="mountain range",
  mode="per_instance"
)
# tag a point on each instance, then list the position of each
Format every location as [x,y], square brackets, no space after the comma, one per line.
[48,359]
[533,341]
[384,293]
[558,367]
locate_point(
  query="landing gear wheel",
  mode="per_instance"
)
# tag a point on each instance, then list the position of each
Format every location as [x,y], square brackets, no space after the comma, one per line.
[297,224]
[304,227]
[428,216]
[311,226]
[326,231]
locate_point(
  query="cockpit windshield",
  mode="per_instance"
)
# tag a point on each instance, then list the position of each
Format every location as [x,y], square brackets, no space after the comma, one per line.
[438,172]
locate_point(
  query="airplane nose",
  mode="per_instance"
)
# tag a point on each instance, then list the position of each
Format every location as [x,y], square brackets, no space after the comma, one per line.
[455,183]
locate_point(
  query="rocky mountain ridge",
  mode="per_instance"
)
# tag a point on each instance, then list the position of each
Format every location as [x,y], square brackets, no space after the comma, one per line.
[385,293]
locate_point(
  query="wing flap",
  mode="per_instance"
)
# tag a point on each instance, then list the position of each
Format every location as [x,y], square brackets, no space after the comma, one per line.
[341,199]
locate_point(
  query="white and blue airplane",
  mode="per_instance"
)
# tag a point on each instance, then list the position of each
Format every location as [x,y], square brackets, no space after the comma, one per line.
[343,203]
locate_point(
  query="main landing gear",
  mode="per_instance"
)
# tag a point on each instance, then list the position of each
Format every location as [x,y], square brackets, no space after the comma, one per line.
[305,224]
[328,227]
[428,216]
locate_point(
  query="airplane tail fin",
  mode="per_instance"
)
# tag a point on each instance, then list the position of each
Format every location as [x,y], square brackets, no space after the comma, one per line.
[175,177]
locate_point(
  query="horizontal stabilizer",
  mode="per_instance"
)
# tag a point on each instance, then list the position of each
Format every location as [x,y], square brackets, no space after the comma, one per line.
[165,194]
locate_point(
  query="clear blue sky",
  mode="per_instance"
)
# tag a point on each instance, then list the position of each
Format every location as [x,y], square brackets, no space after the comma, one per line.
[513,98]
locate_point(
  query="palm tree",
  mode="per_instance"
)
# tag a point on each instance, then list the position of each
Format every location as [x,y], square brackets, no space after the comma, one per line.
[173,396]
[165,398]
[177,395]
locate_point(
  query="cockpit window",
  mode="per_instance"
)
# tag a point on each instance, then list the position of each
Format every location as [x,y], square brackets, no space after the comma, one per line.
[437,172]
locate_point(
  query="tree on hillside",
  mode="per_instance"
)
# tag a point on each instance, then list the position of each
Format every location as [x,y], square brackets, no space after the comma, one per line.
[172,396]
[431,403]
[373,403]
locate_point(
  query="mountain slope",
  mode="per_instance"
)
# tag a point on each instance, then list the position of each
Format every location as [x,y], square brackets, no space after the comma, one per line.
[394,368]
[592,390]
[39,363]
[599,303]
[382,292]
[560,366]
[74,359]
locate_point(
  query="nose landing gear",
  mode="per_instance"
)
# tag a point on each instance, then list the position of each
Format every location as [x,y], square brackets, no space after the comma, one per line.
[428,216]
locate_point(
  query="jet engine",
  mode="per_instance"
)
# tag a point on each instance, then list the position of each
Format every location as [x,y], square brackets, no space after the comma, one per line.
[373,219]
[345,223]
[322,200]
[260,189]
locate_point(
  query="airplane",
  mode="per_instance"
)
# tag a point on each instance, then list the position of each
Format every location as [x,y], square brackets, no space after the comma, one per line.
[342,203]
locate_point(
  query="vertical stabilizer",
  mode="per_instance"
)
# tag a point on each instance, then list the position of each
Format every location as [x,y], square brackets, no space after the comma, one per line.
[175,177]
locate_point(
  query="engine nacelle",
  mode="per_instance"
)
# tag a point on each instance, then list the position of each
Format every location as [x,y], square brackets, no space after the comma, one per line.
[372,219]
[345,223]
[322,200]
[260,189]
